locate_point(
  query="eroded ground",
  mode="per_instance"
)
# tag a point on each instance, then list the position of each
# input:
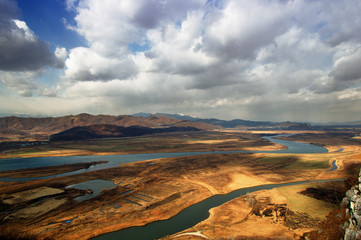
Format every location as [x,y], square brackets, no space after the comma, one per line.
[158,189]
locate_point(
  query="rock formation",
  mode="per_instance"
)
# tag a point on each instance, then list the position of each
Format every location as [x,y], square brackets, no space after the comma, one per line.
[352,203]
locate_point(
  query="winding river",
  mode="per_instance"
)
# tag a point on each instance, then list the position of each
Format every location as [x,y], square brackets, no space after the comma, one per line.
[196,213]
[183,220]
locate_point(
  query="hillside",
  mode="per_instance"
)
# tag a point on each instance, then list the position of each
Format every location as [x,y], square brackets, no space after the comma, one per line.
[106,130]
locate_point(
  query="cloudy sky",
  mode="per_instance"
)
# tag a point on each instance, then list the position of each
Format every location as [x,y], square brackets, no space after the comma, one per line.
[297,60]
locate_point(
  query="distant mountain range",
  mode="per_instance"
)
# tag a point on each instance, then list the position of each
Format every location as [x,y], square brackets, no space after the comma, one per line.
[30,129]
[233,123]
[340,124]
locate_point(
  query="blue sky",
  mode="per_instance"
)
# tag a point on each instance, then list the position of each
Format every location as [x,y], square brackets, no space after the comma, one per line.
[46,19]
[274,60]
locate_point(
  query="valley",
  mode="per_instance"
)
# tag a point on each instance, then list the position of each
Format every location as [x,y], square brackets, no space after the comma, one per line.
[147,191]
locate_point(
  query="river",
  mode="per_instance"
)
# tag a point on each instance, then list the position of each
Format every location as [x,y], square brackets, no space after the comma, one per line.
[116,160]
[196,213]
[187,217]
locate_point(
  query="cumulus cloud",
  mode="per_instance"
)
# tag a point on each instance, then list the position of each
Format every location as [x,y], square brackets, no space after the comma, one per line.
[84,64]
[242,27]
[26,84]
[335,26]
[22,82]
[230,59]
[348,68]
[214,56]
[61,55]
[150,13]
[20,48]
[24,57]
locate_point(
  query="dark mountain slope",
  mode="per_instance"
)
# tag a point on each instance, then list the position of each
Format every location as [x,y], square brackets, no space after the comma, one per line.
[106,130]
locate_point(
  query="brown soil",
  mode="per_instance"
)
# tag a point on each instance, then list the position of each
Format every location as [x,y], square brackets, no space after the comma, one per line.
[31,194]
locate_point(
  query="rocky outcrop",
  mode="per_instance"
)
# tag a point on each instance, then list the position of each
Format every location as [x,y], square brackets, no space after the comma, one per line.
[352,203]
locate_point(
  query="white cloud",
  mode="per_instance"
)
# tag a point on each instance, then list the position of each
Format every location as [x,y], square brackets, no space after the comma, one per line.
[61,55]
[23,82]
[84,64]
[26,83]
[208,57]
[70,5]
[242,27]
[348,67]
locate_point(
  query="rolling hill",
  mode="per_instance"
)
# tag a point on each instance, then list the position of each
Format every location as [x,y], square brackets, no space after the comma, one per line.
[106,130]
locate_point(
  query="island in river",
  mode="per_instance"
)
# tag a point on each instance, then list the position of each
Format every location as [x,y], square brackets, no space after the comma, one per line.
[151,190]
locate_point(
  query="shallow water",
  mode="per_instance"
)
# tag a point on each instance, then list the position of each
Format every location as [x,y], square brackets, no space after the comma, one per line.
[97,186]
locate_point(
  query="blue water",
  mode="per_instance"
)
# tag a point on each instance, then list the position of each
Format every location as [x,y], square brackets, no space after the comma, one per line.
[116,160]
[334,166]
[97,186]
